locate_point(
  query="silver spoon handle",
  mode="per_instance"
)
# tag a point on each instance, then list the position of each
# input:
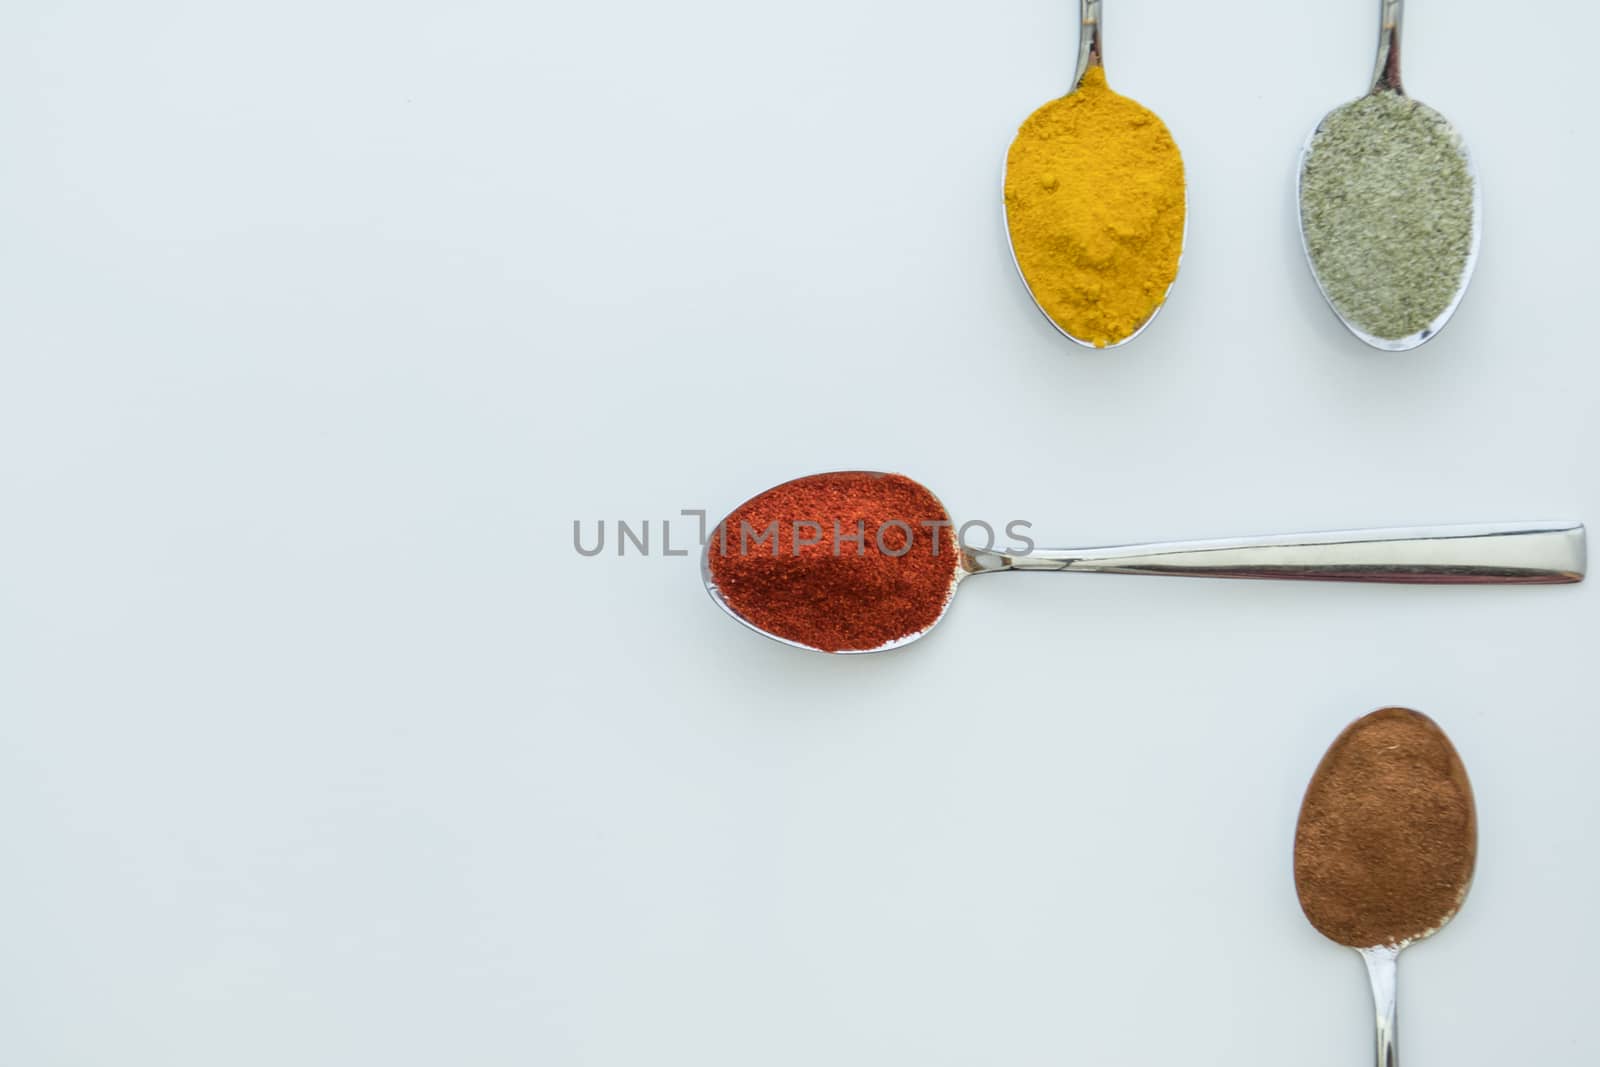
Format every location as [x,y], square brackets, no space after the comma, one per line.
[1386,72]
[1381,969]
[1088,39]
[1531,553]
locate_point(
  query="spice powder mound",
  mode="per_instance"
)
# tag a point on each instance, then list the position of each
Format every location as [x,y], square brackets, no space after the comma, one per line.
[1386,206]
[1095,206]
[1388,833]
[841,562]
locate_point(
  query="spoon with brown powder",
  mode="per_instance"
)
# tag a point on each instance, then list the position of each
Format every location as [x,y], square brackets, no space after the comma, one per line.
[1386,845]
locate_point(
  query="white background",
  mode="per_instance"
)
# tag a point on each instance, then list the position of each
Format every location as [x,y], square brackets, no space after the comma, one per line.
[322,321]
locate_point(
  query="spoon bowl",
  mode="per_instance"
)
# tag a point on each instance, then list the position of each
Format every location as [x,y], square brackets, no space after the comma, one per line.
[1526,553]
[1386,846]
[1386,88]
[1089,58]
[715,543]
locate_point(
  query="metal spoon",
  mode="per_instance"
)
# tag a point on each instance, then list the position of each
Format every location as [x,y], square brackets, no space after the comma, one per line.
[1089,55]
[1460,843]
[1524,553]
[1386,78]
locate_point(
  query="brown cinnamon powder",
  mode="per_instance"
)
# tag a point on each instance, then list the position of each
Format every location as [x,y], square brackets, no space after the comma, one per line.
[1388,833]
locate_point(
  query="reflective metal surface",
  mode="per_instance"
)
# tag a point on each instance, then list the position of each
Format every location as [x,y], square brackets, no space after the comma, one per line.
[1385,78]
[1386,71]
[1531,553]
[1381,970]
[1088,39]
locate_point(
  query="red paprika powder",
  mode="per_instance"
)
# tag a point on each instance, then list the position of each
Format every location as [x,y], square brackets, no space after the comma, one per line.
[842,562]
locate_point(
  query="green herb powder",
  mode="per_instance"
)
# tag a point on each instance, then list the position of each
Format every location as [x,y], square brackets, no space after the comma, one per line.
[1386,208]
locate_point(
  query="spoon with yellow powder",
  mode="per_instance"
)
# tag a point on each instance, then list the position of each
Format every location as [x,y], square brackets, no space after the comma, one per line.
[1095,205]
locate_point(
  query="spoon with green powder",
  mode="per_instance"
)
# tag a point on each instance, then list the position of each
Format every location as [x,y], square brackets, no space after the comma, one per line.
[1390,212]
[1095,207]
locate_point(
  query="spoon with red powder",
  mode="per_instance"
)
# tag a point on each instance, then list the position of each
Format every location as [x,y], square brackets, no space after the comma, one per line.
[862,561]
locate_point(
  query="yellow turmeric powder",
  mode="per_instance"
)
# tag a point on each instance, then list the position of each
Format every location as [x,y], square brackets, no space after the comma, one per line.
[1095,205]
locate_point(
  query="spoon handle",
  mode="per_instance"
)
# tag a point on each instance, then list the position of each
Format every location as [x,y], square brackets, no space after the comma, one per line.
[1532,553]
[1088,39]
[1381,969]
[1386,72]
